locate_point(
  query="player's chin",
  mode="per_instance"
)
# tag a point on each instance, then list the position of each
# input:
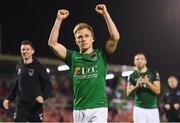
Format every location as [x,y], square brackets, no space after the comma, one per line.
[84,48]
[25,57]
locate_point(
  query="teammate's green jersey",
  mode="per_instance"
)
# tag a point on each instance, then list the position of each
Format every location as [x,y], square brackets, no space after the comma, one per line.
[88,73]
[144,97]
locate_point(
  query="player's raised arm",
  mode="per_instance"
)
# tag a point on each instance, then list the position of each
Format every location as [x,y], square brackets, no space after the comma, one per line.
[58,48]
[114,38]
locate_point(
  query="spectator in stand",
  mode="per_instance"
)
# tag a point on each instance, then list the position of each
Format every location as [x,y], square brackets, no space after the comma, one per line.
[170,100]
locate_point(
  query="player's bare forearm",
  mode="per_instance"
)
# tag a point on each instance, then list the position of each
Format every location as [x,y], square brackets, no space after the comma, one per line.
[102,10]
[58,48]
[113,40]
[114,33]
[155,87]
[131,89]
[53,38]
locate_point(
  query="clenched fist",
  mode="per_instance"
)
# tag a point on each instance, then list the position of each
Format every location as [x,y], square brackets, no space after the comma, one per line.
[101,9]
[62,14]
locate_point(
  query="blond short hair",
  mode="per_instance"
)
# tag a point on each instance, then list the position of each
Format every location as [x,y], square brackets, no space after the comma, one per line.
[81,26]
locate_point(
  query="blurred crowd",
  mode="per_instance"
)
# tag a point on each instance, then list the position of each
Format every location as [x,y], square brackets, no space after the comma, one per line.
[58,107]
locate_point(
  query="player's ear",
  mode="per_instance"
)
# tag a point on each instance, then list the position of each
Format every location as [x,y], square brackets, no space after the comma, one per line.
[134,62]
[146,62]
[76,42]
[33,51]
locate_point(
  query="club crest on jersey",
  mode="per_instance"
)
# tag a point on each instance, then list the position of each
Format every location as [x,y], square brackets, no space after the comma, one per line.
[93,57]
[157,76]
[19,71]
[31,72]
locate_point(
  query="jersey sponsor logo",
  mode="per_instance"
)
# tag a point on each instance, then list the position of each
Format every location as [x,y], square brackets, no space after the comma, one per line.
[89,70]
[77,70]
[31,72]
[85,72]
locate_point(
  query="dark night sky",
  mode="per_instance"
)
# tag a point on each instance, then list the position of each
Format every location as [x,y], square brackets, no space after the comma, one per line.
[150,26]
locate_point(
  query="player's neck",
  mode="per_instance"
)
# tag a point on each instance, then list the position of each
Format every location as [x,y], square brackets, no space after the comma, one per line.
[87,51]
[142,70]
[28,61]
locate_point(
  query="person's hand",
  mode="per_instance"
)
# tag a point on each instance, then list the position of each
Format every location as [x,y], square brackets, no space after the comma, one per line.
[145,80]
[167,106]
[176,106]
[101,9]
[139,82]
[62,14]
[40,99]
[6,104]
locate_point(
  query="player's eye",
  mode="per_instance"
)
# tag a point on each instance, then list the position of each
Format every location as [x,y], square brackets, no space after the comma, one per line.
[86,35]
[79,37]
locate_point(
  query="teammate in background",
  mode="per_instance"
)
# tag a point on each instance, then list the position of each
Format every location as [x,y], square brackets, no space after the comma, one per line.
[144,85]
[32,87]
[87,67]
[171,100]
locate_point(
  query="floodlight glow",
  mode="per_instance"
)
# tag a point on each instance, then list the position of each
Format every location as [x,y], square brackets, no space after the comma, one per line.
[63,68]
[109,76]
[48,70]
[126,73]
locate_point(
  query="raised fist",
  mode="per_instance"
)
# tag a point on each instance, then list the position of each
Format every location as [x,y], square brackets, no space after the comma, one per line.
[62,14]
[101,9]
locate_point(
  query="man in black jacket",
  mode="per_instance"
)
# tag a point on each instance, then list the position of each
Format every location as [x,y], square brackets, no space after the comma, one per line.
[32,87]
[171,100]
